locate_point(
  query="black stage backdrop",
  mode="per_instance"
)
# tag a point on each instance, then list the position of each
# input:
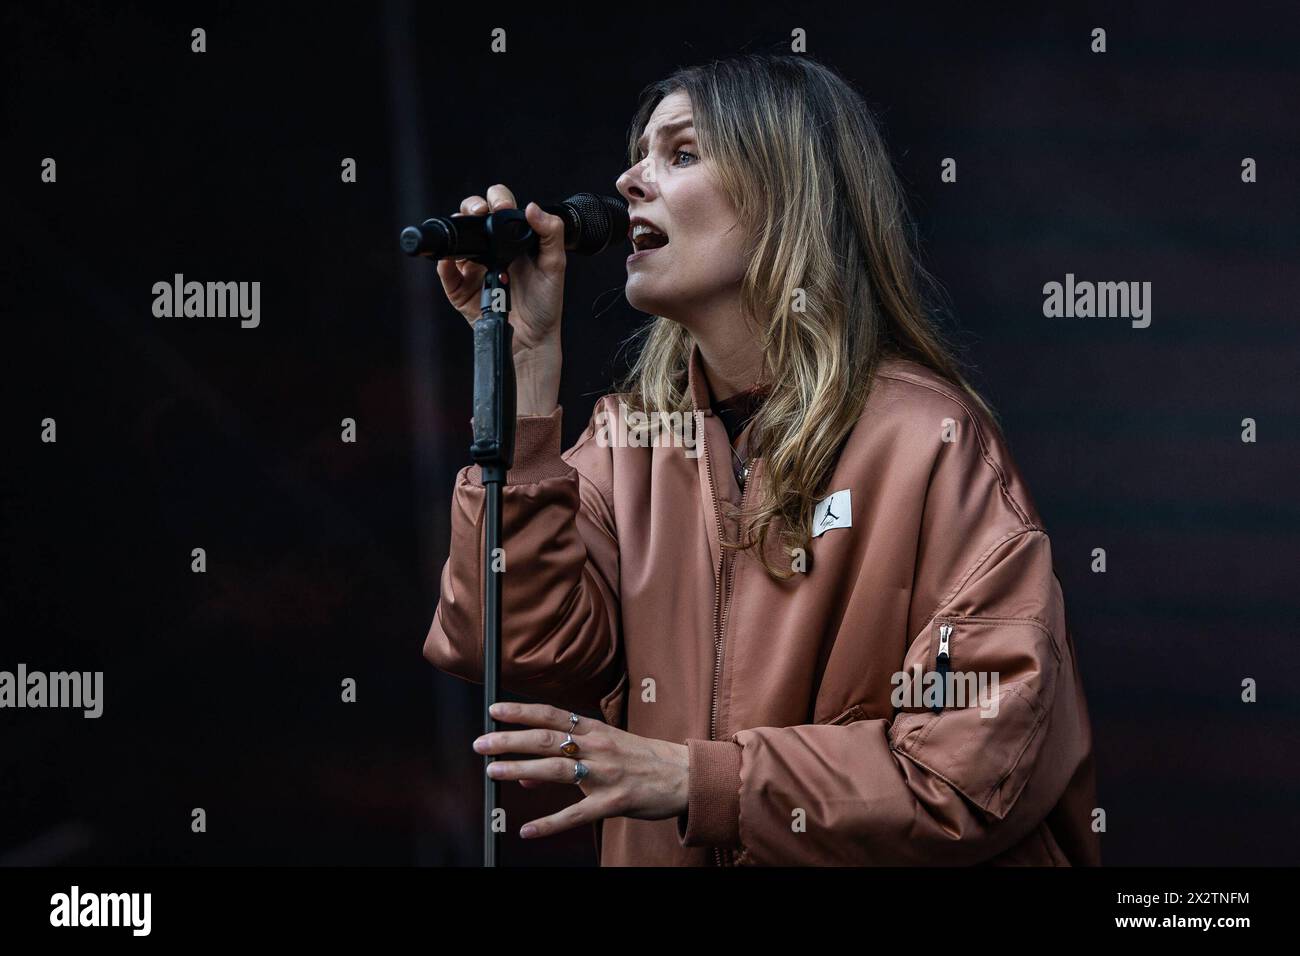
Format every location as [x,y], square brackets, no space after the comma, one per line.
[222,689]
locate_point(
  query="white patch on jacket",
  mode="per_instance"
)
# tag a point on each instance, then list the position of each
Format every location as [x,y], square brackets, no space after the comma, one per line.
[833,512]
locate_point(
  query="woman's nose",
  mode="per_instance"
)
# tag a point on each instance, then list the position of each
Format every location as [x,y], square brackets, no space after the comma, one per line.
[638,181]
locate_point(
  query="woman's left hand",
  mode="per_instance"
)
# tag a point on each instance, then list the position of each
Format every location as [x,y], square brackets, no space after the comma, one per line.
[628,776]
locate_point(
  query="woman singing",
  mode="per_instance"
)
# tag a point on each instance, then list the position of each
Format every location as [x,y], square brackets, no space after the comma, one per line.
[816,609]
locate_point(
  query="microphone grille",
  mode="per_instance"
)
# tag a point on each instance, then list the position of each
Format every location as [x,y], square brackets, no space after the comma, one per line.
[601,221]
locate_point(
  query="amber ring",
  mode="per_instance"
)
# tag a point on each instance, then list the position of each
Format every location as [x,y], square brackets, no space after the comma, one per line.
[570,746]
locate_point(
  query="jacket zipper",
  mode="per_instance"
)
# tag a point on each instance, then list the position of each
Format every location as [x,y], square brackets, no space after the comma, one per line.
[724,571]
[943,663]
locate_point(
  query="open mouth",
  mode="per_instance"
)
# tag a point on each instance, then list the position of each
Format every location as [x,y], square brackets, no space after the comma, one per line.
[646,237]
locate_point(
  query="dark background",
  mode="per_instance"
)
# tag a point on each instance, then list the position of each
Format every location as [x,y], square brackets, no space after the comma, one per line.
[222,689]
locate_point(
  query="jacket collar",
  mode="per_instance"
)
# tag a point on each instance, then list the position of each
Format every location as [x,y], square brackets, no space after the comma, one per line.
[696,384]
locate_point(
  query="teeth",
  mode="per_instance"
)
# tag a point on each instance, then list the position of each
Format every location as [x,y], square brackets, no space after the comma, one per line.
[640,229]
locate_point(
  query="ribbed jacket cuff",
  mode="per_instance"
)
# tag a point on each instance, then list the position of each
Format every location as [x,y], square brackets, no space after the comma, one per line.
[712,816]
[537,451]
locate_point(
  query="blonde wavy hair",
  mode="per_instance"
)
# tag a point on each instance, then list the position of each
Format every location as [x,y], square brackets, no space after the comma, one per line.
[799,153]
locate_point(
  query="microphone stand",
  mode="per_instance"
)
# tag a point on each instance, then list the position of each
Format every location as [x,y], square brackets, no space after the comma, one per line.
[494,451]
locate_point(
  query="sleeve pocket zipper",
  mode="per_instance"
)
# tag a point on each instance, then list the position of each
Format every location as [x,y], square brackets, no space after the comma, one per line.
[943,663]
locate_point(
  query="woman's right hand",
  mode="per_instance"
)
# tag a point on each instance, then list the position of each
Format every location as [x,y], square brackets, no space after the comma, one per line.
[536,299]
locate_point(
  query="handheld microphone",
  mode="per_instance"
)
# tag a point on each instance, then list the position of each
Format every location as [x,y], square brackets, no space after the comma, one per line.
[592,224]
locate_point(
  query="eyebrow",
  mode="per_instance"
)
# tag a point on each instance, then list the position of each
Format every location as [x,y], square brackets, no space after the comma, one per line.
[666,128]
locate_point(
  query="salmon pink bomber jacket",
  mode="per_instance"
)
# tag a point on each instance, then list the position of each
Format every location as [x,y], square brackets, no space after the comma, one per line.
[910,696]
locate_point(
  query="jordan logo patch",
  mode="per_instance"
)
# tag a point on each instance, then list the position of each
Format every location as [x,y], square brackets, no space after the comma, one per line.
[833,512]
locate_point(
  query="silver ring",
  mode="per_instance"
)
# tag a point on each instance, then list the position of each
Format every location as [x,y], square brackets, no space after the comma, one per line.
[580,771]
[573,721]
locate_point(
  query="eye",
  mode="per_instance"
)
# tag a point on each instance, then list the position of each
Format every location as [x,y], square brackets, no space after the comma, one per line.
[677,154]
